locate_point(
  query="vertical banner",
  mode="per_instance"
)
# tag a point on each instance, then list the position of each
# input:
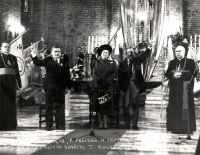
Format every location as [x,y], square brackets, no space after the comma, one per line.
[16,49]
[24,5]
[36,77]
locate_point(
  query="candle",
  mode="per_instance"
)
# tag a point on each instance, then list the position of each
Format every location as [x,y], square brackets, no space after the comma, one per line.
[95,41]
[198,47]
[116,47]
[195,42]
[92,44]
[190,40]
[88,44]
[102,40]
[99,40]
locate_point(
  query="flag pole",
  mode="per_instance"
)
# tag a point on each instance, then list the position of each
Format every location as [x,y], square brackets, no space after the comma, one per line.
[19,36]
[42,39]
[114,35]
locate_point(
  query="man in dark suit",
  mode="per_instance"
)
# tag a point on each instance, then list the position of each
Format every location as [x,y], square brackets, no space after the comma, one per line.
[56,84]
[130,81]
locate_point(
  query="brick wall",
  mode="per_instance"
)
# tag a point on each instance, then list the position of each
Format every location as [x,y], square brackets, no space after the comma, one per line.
[191,17]
[79,18]
[9,10]
[69,23]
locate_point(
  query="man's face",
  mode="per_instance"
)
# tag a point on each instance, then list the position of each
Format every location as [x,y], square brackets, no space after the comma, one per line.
[104,54]
[179,53]
[5,48]
[130,53]
[56,53]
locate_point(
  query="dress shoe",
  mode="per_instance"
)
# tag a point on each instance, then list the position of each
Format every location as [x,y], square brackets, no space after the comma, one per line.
[60,128]
[48,128]
[135,128]
[100,126]
[127,126]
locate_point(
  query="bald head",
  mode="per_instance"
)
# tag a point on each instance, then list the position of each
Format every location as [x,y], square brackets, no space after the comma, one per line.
[180,52]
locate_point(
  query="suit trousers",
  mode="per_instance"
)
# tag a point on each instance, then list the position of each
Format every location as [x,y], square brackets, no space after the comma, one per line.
[131,100]
[55,100]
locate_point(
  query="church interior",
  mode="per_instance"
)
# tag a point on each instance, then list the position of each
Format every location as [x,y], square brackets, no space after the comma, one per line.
[78,26]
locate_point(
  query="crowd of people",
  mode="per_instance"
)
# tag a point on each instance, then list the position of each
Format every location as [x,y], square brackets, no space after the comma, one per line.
[104,70]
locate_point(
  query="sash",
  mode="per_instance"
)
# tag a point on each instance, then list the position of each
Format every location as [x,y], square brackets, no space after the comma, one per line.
[182,71]
[9,71]
[185,107]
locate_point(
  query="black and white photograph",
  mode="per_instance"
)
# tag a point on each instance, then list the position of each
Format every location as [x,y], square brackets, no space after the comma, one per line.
[99,77]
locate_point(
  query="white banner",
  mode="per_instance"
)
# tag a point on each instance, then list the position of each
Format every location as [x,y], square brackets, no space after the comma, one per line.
[16,49]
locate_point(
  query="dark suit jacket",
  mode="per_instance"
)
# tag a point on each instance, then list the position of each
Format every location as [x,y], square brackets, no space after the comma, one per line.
[124,77]
[57,75]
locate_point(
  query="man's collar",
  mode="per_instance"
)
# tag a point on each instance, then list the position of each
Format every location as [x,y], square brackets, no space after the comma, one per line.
[180,58]
[5,53]
[57,58]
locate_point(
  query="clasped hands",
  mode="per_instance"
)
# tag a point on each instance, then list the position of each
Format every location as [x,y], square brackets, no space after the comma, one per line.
[177,74]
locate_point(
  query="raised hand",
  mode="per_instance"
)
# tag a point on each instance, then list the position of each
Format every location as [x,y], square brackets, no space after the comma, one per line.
[34,49]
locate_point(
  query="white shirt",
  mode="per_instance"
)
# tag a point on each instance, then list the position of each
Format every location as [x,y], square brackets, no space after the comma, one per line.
[58,60]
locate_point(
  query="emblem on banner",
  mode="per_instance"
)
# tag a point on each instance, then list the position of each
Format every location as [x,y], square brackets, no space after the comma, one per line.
[36,75]
[21,66]
[19,47]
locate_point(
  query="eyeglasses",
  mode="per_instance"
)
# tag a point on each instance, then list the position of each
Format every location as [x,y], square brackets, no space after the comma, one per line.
[56,51]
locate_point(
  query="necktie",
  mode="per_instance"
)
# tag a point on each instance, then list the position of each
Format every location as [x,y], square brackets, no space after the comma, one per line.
[130,68]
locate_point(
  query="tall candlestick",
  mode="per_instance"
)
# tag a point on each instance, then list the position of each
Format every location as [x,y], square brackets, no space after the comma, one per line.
[88,44]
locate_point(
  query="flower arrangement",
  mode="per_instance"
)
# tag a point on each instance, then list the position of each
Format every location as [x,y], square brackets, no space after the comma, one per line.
[77,72]
[178,39]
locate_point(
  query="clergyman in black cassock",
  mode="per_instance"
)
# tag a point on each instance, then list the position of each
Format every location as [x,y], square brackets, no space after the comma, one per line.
[9,82]
[179,73]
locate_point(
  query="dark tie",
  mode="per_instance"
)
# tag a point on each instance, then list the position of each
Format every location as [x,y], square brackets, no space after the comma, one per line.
[130,68]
